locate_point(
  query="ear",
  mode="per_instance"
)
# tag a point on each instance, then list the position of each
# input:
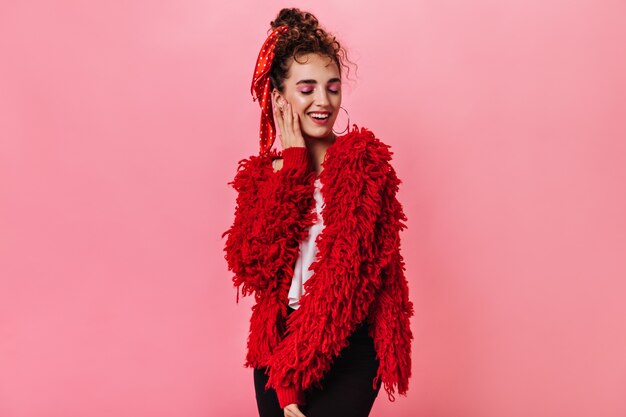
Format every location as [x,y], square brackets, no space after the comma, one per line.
[277,98]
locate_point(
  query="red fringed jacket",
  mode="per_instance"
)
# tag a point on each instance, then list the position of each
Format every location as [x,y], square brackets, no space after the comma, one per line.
[358,272]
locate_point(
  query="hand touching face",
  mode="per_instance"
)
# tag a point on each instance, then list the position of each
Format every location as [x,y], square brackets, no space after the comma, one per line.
[313,92]
[288,124]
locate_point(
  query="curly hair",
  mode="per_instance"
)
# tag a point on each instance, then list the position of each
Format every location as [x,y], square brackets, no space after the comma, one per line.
[305,35]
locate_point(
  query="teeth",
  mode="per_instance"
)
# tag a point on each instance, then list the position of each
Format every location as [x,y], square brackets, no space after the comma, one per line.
[319,115]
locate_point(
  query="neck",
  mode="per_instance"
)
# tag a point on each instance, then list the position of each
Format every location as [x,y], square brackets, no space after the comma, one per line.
[317,148]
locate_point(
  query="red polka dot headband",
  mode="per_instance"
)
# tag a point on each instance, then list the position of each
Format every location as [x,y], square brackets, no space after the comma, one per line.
[261,89]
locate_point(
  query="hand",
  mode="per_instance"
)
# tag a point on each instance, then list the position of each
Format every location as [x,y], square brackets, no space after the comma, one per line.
[292,410]
[289,125]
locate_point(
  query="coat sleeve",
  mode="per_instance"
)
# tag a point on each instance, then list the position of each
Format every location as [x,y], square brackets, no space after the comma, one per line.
[268,206]
[392,309]
[319,330]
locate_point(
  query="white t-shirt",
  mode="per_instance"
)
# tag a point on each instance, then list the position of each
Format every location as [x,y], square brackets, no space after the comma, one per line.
[308,251]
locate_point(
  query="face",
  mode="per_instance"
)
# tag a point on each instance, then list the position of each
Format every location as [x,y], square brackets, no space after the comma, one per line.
[313,86]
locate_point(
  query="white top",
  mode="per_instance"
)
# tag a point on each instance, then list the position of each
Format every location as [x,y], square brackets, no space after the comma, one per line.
[308,251]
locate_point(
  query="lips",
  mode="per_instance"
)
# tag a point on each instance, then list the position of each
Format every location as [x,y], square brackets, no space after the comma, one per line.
[319,117]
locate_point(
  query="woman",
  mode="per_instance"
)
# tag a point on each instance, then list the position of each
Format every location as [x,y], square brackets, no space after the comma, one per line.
[316,239]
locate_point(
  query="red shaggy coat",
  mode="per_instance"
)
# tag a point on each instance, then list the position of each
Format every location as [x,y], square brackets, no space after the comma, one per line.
[358,272]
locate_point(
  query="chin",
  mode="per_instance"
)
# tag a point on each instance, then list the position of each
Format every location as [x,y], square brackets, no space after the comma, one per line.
[319,133]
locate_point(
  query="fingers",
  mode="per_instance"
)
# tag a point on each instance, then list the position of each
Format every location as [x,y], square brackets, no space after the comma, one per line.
[288,122]
[277,113]
[288,114]
[296,124]
[279,121]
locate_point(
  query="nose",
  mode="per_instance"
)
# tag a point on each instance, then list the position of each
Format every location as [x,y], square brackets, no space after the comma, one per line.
[322,98]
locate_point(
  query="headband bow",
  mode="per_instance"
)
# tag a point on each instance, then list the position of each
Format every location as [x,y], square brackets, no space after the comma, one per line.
[261,89]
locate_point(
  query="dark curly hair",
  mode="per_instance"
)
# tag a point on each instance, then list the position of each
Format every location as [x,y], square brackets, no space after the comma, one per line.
[305,35]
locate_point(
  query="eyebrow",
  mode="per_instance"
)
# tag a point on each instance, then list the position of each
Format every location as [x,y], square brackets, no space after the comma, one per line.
[332,80]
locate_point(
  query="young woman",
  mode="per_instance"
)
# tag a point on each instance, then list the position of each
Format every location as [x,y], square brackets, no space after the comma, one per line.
[316,239]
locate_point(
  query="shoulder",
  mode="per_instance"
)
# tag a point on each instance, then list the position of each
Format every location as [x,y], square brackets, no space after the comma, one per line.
[363,141]
[254,169]
[373,165]
[362,147]
[260,162]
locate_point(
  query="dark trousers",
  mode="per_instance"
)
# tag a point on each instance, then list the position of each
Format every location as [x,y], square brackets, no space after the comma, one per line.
[347,387]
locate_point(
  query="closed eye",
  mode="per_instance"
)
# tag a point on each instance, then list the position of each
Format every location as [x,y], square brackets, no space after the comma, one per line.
[310,91]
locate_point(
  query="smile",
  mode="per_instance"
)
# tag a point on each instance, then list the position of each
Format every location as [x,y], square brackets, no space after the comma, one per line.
[319,118]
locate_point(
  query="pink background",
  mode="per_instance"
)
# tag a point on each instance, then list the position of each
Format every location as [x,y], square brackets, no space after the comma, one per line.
[122,122]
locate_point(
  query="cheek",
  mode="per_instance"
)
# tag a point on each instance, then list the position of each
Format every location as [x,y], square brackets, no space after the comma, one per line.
[299,105]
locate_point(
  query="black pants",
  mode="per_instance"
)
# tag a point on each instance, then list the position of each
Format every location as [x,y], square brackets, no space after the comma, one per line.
[347,386]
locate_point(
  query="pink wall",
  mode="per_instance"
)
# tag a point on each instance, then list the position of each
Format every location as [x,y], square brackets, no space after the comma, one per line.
[122,122]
